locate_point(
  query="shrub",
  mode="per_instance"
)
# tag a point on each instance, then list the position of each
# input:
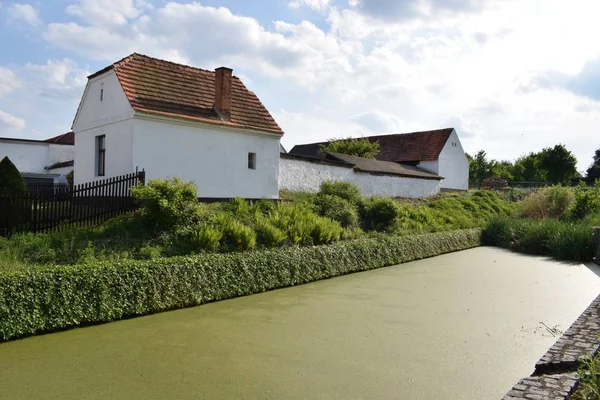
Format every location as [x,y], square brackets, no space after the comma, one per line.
[235,234]
[378,213]
[587,201]
[345,190]
[562,240]
[207,238]
[11,181]
[150,252]
[302,226]
[269,235]
[167,203]
[50,298]
[337,209]
[552,202]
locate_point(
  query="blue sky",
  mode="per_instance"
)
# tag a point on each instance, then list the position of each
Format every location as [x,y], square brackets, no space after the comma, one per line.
[512,76]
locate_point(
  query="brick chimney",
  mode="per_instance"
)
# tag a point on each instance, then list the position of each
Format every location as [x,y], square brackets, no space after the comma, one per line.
[223,92]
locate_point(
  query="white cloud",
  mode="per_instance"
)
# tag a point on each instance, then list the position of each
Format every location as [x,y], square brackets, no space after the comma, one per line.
[379,122]
[59,74]
[25,13]
[314,4]
[106,12]
[10,124]
[8,81]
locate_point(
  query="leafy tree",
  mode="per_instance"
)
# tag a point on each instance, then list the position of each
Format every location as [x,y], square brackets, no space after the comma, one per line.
[527,169]
[362,147]
[11,181]
[558,163]
[593,171]
[479,168]
[502,169]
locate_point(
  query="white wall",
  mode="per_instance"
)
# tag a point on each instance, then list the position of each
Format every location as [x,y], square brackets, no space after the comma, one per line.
[215,159]
[32,157]
[299,175]
[28,157]
[110,117]
[454,165]
[118,151]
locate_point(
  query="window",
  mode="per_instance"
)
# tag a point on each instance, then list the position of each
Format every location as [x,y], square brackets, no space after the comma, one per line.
[100,155]
[251,160]
[101,94]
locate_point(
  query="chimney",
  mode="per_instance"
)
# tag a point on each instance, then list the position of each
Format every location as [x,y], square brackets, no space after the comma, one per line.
[223,92]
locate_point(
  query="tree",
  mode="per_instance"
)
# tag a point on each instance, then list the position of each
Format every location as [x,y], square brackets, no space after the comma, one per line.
[502,169]
[479,168]
[559,164]
[11,181]
[362,147]
[593,171]
[527,169]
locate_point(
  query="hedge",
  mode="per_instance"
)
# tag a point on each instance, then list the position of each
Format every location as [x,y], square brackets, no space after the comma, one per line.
[59,297]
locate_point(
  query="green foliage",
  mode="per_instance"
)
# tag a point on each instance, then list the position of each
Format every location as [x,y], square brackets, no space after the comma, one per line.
[527,169]
[589,381]
[342,189]
[378,213]
[167,203]
[269,235]
[235,234]
[562,240]
[207,238]
[479,168]
[50,298]
[593,171]
[362,147]
[303,227]
[70,176]
[559,164]
[11,181]
[587,201]
[552,202]
[337,209]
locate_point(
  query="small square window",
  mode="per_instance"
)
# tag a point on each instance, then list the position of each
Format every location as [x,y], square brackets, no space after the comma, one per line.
[251,160]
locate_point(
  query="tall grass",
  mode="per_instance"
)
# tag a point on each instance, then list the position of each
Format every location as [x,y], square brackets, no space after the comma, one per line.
[562,240]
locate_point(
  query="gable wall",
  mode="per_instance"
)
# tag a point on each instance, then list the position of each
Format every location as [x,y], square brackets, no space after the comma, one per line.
[215,159]
[453,165]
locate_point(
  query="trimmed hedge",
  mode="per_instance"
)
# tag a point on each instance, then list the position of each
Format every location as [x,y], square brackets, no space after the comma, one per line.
[51,298]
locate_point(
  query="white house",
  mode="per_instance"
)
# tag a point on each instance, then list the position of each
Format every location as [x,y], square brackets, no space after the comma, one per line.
[177,121]
[439,152]
[41,161]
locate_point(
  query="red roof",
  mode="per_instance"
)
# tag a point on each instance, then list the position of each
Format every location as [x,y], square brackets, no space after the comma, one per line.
[411,147]
[164,88]
[65,138]
[401,147]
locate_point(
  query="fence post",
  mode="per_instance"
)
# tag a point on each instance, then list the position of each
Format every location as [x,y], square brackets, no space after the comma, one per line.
[597,244]
[35,213]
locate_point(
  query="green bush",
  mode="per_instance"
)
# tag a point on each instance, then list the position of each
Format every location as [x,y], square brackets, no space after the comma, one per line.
[269,235]
[207,238]
[49,298]
[378,213]
[550,202]
[587,201]
[11,181]
[167,203]
[562,240]
[236,236]
[345,190]
[337,209]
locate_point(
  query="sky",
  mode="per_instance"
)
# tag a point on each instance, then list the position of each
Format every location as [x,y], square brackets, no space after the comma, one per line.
[511,76]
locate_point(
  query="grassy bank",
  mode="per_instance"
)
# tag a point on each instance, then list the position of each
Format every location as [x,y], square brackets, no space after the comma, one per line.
[58,297]
[562,240]
[172,223]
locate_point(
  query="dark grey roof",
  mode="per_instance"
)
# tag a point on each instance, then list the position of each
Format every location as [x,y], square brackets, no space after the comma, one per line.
[384,167]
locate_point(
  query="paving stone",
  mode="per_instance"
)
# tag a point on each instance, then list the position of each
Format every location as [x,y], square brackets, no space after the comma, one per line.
[544,387]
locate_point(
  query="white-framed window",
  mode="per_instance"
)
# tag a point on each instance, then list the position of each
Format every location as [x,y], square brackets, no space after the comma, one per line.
[251,160]
[100,155]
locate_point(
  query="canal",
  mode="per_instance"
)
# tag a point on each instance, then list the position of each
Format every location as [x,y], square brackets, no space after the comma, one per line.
[466,325]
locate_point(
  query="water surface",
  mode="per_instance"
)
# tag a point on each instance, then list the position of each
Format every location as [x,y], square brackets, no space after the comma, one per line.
[465,325]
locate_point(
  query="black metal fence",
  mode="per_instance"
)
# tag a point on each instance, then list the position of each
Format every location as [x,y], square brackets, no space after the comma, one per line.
[52,207]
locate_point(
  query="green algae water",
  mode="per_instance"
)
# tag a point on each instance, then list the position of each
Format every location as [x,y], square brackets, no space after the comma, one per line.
[466,325]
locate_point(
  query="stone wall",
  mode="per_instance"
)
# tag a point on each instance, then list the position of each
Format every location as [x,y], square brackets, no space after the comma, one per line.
[555,374]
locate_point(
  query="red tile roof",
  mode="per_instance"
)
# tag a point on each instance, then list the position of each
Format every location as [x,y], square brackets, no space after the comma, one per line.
[65,138]
[402,147]
[164,88]
[411,147]
[384,167]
